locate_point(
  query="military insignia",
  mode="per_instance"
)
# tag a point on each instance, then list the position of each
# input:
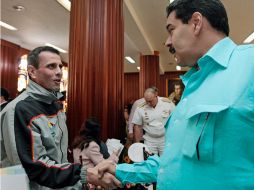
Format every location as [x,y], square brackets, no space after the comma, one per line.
[164,99]
[166,111]
[142,105]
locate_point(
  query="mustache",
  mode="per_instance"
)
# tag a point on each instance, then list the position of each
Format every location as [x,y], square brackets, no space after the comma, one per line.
[172,50]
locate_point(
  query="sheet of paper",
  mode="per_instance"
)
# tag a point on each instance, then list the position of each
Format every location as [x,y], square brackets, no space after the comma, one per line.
[114,145]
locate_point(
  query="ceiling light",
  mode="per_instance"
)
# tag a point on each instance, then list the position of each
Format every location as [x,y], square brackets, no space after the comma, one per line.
[59,49]
[18,7]
[130,59]
[3,24]
[138,68]
[249,39]
[65,3]
[178,68]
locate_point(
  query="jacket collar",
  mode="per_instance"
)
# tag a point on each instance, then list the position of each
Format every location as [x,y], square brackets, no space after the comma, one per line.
[41,94]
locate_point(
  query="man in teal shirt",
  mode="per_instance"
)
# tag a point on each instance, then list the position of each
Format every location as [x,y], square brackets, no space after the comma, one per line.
[210,134]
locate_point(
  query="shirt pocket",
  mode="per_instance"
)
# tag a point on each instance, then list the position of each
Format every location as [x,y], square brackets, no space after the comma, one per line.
[165,114]
[199,137]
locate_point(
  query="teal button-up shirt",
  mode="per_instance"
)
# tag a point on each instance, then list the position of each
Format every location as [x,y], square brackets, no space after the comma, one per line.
[210,135]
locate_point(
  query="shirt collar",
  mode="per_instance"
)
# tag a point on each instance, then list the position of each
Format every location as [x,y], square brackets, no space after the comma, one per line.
[185,78]
[220,53]
[214,54]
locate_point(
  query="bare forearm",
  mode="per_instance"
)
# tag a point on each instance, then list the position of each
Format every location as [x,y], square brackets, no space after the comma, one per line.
[137,135]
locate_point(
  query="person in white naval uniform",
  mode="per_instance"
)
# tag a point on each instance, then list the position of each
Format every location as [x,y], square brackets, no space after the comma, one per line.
[151,116]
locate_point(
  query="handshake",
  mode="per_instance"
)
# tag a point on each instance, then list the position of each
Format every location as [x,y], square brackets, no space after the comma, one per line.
[103,175]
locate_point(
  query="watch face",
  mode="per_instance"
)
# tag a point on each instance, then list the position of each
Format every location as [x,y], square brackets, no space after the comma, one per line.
[136,152]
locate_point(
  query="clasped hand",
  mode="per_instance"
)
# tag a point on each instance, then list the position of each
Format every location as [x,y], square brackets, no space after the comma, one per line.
[103,175]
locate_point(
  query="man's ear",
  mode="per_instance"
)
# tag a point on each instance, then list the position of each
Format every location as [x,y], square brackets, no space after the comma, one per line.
[197,22]
[31,71]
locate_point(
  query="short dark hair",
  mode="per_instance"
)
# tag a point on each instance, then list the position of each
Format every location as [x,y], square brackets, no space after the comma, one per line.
[213,10]
[177,83]
[33,56]
[5,93]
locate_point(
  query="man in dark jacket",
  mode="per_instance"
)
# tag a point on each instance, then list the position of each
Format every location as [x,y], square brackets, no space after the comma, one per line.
[34,131]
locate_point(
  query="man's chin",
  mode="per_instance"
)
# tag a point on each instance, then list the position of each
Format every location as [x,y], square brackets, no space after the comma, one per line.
[56,89]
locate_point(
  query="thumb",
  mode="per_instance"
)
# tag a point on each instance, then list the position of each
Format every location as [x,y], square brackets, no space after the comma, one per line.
[102,170]
[108,167]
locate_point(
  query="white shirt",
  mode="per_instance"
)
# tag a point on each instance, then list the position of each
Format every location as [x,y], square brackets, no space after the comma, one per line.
[153,119]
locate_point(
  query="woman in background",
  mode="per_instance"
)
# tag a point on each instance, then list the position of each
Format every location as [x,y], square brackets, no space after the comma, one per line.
[88,149]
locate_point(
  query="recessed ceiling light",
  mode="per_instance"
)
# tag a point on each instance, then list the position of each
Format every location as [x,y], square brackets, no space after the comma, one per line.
[59,49]
[249,39]
[130,59]
[178,68]
[18,7]
[9,27]
[66,4]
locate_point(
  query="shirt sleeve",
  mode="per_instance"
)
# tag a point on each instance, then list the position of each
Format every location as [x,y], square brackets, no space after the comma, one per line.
[130,124]
[94,153]
[143,172]
[137,118]
[8,145]
[41,169]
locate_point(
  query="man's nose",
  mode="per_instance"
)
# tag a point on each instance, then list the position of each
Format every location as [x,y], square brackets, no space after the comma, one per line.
[59,70]
[168,42]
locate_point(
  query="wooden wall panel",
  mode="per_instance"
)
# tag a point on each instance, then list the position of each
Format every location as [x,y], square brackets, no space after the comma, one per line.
[131,87]
[149,72]
[9,60]
[131,84]
[96,66]
[9,67]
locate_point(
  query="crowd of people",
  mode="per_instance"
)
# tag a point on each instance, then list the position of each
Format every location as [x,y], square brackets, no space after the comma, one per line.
[205,142]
